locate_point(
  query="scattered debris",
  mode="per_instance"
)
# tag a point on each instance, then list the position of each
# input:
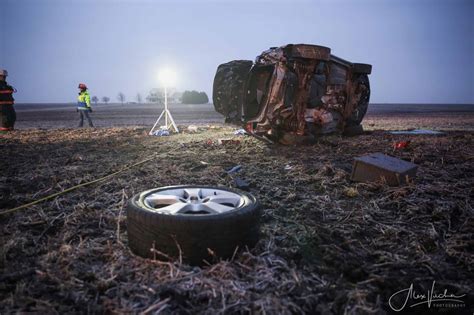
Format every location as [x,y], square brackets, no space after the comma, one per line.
[238,182]
[288,167]
[401,145]
[241,184]
[234,169]
[416,132]
[378,166]
[240,132]
[192,129]
[161,133]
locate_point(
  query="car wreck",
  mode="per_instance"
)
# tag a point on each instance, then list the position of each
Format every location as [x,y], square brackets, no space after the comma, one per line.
[293,93]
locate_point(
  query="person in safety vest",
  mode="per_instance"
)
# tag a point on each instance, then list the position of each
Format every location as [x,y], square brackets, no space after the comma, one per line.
[7,112]
[84,105]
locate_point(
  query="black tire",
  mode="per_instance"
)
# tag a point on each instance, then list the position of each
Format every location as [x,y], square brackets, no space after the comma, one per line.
[221,233]
[227,92]
[360,109]
[362,68]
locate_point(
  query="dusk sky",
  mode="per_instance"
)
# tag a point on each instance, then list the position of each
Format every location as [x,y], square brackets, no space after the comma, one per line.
[421,51]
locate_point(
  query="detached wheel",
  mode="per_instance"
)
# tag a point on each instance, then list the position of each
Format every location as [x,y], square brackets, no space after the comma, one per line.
[194,219]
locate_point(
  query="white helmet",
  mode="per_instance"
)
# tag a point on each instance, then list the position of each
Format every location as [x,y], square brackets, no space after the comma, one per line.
[4,73]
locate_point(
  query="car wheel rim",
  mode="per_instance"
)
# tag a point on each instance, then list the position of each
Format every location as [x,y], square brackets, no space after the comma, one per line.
[193,201]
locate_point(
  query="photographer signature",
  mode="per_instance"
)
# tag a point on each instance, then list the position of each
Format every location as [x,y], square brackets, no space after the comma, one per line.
[419,299]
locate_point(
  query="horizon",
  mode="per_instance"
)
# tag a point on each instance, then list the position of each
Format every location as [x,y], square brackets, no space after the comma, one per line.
[211,103]
[421,51]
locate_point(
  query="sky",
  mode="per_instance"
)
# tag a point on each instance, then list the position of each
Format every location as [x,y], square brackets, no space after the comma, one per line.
[422,51]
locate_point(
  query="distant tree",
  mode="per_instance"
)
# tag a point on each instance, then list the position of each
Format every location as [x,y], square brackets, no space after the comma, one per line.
[194,97]
[121,97]
[105,99]
[203,98]
[95,99]
[186,97]
[139,98]
[156,96]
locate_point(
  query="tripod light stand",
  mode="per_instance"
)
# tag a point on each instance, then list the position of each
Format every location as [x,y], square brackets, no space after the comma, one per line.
[166,77]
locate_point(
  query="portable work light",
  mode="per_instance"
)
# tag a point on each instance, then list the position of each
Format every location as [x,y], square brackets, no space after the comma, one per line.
[167,78]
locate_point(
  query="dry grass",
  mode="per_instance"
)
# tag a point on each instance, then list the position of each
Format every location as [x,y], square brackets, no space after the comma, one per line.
[328,246]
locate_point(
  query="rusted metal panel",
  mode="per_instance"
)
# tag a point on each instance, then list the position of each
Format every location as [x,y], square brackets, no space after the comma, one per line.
[378,166]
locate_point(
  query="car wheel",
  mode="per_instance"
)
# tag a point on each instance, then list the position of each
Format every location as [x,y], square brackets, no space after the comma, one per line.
[197,222]
[361,108]
[228,89]
[362,68]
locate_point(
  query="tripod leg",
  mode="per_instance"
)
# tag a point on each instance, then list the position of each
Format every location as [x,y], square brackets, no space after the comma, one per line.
[172,121]
[156,123]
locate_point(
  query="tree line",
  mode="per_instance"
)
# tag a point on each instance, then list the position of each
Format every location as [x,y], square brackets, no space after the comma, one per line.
[157,96]
[194,97]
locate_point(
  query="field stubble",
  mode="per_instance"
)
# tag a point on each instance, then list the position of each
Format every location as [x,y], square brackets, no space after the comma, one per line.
[328,246]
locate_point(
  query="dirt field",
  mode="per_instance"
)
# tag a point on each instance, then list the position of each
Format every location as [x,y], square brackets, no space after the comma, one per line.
[379,116]
[114,115]
[329,246]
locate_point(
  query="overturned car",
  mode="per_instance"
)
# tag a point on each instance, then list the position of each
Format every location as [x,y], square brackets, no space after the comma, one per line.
[293,93]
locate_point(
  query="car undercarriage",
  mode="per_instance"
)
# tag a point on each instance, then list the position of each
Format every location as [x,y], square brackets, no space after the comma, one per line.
[293,93]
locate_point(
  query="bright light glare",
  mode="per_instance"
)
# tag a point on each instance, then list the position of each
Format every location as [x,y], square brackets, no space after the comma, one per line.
[167,77]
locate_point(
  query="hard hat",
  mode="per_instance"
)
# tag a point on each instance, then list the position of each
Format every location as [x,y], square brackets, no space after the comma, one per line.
[82,86]
[4,72]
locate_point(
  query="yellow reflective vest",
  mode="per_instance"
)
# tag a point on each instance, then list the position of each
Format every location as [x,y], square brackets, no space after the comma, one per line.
[84,101]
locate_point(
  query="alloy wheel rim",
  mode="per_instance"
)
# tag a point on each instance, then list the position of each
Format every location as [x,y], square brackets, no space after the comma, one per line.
[193,201]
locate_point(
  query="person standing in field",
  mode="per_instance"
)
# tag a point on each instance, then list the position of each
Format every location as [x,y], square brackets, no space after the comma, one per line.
[7,112]
[84,105]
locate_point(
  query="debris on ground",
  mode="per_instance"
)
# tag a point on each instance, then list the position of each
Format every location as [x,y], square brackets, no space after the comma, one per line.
[240,132]
[241,184]
[378,166]
[234,169]
[416,132]
[161,133]
[321,251]
[192,129]
[401,145]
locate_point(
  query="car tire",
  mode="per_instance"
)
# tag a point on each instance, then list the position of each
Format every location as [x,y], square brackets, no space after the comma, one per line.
[362,68]
[194,232]
[227,91]
[363,104]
